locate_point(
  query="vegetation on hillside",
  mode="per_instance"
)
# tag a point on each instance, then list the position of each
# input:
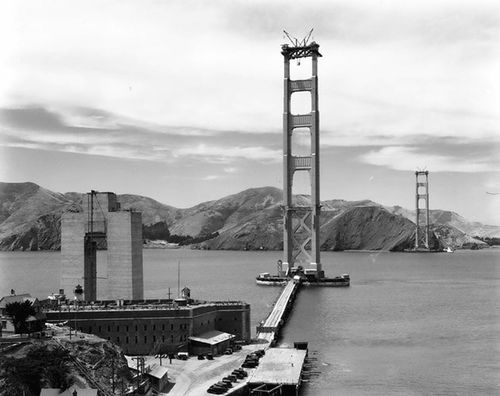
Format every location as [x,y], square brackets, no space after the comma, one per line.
[40,368]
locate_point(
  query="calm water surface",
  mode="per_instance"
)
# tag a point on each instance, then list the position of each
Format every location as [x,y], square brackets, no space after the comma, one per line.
[410,324]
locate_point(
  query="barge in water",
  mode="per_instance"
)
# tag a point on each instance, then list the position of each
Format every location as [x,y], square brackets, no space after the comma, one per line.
[305,278]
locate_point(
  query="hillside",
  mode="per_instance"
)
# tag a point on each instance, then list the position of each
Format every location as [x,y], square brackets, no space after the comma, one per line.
[59,362]
[30,217]
[251,219]
[452,219]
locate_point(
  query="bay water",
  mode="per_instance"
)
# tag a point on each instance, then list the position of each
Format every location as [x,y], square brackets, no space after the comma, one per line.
[410,324]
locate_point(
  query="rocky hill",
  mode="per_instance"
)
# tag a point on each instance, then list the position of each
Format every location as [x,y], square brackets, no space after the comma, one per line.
[27,367]
[30,217]
[252,219]
[452,219]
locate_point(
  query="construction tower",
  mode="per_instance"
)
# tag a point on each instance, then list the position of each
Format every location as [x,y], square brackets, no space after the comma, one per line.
[301,242]
[101,224]
[422,213]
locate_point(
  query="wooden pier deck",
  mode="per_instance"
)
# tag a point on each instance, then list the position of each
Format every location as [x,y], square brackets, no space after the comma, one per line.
[280,366]
[269,329]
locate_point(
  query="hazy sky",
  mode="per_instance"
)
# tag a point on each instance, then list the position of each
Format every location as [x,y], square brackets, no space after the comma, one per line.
[182,100]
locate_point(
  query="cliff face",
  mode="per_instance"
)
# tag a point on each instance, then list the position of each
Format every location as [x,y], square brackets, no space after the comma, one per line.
[452,220]
[30,217]
[43,233]
[367,228]
[252,219]
[454,238]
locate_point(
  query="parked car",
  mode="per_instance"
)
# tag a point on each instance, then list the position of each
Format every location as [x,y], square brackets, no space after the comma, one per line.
[210,356]
[229,351]
[249,364]
[238,374]
[242,371]
[218,390]
[227,382]
[260,352]
[232,377]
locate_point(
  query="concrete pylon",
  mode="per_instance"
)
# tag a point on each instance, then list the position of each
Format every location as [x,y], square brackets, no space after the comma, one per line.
[102,225]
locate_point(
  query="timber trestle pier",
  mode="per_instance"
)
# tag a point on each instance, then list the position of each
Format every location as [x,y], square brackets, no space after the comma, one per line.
[269,329]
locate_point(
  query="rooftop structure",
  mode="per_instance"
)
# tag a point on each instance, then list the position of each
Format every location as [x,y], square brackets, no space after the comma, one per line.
[71,391]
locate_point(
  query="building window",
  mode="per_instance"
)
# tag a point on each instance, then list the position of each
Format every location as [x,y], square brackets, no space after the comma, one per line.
[135,327]
[126,339]
[162,338]
[154,338]
[136,339]
[109,328]
[117,340]
[145,327]
[154,327]
[180,338]
[100,329]
[117,328]
[145,339]
[163,327]
[126,328]
[4,324]
[172,339]
[109,338]
[90,329]
[172,326]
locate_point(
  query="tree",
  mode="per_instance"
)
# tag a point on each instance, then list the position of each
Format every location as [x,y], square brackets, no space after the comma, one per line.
[19,312]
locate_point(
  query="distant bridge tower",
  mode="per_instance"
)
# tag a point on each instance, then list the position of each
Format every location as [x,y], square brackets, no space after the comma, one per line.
[301,240]
[422,212]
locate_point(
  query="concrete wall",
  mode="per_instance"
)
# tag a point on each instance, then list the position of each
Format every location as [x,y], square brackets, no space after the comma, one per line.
[234,320]
[125,268]
[143,331]
[72,251]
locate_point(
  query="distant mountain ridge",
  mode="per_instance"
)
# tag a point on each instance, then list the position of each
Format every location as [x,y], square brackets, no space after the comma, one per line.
[252,219]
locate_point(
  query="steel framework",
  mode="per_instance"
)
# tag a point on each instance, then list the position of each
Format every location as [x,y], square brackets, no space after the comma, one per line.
[422,213]
[301,240]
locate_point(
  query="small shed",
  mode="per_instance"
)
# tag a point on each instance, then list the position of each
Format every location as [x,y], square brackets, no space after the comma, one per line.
[214,342]
[158,376]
